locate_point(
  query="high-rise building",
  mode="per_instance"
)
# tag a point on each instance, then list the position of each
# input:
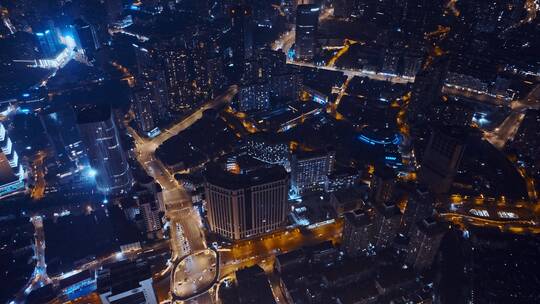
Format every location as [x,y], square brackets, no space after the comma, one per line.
[178,78]
[48,41]
[254,97]
[61,130]
[286,86]
[387,222]
[427,89]
[383,183]
[86,37]
[424,243]
[246,205]
[126,282]
[420,205]
[442,158]
[151,80]
[309,170]
[359,236]
[152,221]
[216,75]
[142,101]
[242,36]
[11,171]
[100,136]
[307,23]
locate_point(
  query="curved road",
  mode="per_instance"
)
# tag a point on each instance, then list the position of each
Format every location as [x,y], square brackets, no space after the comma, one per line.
[178,205]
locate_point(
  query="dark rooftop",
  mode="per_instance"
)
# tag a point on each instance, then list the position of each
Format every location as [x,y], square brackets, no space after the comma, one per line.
[216,176]
[122,276]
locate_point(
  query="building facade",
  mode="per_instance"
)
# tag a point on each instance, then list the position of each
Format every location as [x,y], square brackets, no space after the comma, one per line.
[309,170]
[307,23]
[246,205]
[11,171]
[106,156]
[126,282]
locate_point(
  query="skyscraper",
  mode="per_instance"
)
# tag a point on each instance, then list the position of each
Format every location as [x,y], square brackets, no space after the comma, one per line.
[383,183]
[11,171]
[178,78]
[100,136]
[254,97]
[49,44]
[242,36]
[245,205]
[86,37]
[307,23]
[309,170]
[142,107]
[387,221]
[424,243]
[358,232]
[61,130]
[152,222]
[427,89]
[442,158]
[151,80]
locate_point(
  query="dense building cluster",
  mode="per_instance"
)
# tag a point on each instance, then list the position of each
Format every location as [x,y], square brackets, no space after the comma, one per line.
[258,151]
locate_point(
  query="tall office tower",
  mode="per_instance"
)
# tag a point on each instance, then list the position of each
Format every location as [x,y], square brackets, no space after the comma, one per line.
[286,86]
[151,78]
[48,41]
[61,130]
[427,89]
[309,170]
[442,158]
[11,171]
[241,36]
[142,107]
[178,78]
[359,236]
[254,97]
[420,205]
[387,222]
[126,282]
[216,76]
[246,205]
[199,56]
[424,243]
[383,184]
[263,65]
[86,37]
[307,23]
[100,136]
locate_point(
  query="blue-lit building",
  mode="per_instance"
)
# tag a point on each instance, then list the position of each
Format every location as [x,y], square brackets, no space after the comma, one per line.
[11,171]
[86,37]
[49,43]
[107,159]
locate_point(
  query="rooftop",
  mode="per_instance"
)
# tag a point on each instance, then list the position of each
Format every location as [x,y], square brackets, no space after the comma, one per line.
[219,177]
